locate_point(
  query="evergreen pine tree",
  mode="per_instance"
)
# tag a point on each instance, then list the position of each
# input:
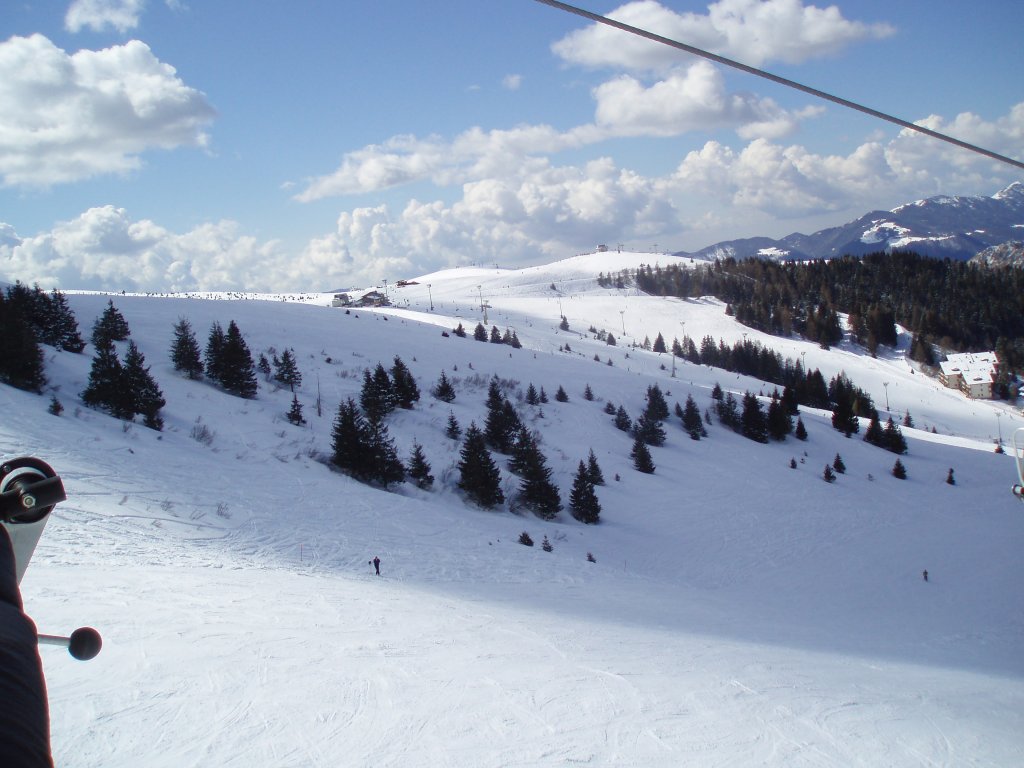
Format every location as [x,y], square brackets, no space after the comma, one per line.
[515,343]
[536,491]
[453,431]
[754,423]
[63,324]
[908,422]
[583,503]
[495,398]
[33,307]
[729,413]
[479,476]
[185,350]
[843,418]
[594,470]
[383,466]
[532,398]
[622,420]
[829,475]
[141,390]
[561,396]
[480,333]
[21,358]
[349,436]
[459,331]
[609,340]
[780,423]
[659,344]
[110,326]
[657,406]
[377,396]
[55,407]
[286,371]
[215,354]
[294,414]
[419,469]
[588,393]
[893,439]
[502,421]
[105,389]
[899,471]
[543,396]
[238,374]
[801,431]
[609,408]
[692,422]
[522,447]
[949,478]
[546,545]
[641,456]
[838,465]
[495,335]
[263,366]
[443,390]
[407,392]
[564,325]
[874,433]
[648,430]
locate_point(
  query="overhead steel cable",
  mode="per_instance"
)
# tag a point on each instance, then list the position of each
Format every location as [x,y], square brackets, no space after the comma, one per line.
[780,80]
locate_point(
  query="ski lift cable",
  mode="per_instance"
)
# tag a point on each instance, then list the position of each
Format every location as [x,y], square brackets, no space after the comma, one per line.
[780,80]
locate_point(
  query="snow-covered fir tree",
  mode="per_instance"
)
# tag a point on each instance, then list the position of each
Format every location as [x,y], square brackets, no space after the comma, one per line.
[443,390]
[479,476]
[185,353]
[407,392]
[583,503]
[419,468]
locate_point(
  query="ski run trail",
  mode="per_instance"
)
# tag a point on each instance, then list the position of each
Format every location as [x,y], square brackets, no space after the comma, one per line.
[739,612]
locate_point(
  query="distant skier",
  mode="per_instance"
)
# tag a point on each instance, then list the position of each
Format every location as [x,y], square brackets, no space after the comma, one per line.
[376,565]
[925,574]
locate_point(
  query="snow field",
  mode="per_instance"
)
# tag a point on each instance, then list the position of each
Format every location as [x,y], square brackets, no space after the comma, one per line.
[739,612]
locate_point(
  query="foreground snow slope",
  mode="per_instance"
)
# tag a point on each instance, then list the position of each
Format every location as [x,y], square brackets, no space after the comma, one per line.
[739,612]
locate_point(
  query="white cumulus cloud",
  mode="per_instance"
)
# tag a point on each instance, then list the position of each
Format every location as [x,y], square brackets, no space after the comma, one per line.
[68,117]
[122,15]
[687,99]
[751,31]
[519,215]
[104,249]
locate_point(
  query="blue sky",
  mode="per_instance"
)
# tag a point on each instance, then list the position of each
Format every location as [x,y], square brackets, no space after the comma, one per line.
[175,145]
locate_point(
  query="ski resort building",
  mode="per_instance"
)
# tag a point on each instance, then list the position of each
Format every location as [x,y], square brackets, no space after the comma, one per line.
[973,373]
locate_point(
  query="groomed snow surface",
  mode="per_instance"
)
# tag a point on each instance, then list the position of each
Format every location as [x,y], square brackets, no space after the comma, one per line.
[739,613]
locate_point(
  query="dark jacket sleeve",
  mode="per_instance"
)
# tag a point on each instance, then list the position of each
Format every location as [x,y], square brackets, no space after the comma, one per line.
[24,716]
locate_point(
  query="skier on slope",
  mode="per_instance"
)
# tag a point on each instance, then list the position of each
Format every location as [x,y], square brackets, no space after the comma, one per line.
[24,714]
[376,564]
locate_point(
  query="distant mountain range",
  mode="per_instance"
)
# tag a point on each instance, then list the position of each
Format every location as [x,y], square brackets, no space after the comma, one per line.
[941,227]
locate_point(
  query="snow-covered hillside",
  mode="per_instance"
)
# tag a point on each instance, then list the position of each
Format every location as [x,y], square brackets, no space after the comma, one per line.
[738,612]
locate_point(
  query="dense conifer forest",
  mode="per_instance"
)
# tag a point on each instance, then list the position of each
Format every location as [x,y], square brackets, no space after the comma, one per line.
[952,305]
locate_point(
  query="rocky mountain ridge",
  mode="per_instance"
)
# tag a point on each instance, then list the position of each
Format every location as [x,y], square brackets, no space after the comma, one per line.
[959,227]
